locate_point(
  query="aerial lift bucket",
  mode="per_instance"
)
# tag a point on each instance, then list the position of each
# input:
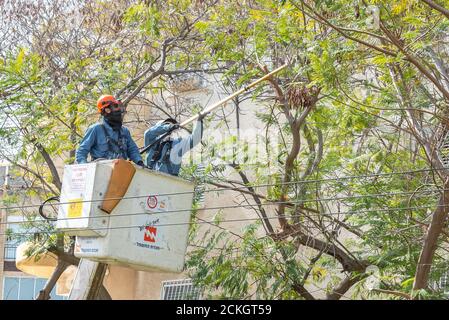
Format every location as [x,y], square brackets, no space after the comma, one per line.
[123,214]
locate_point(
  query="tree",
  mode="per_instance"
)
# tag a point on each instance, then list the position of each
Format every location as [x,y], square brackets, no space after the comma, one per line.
[350,178]
[363,122]
[407,45]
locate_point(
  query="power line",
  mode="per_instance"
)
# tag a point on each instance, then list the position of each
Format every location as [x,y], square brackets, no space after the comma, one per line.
[225,220]
[214,223]
[299,182]
[302,201]
[268,259]
[232,207]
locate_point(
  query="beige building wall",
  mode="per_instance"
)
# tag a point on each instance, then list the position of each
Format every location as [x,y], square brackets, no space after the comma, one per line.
[120,282]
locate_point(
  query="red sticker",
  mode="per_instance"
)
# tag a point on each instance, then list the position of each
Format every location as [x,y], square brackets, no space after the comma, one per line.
[150,234]
[152,202]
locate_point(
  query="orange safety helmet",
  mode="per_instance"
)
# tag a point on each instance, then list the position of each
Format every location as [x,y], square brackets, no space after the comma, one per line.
[104,101]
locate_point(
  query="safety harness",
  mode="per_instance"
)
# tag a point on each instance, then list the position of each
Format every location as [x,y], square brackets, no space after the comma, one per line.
[117,148]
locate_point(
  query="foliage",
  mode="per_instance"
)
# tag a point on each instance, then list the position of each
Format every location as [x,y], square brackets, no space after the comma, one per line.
[364,97]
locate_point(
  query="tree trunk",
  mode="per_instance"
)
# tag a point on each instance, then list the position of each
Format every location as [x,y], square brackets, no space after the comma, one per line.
[44,294]
[430,241]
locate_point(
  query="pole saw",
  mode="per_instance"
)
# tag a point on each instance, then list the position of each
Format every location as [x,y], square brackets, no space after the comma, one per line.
[214,106]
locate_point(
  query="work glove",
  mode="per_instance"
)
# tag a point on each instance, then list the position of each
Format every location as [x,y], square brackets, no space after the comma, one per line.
[140,163]
[201,116]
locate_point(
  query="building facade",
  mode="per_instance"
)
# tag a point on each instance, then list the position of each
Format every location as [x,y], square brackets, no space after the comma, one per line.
[15,284]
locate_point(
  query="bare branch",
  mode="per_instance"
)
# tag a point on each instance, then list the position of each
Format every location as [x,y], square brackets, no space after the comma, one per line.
[345,285]
[27,169]
[323,20]
[395,293]
[437,7]
[256,199]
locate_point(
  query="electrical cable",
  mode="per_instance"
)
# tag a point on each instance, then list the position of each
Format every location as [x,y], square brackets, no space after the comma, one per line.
[190,192]
[232,207]
[41,208]
[300,182]
[193,223]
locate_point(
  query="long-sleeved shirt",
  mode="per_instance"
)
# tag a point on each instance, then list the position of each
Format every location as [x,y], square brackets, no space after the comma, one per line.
[171,151]
[96,143]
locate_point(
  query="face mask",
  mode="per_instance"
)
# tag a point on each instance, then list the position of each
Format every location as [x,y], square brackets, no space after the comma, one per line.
[115,118]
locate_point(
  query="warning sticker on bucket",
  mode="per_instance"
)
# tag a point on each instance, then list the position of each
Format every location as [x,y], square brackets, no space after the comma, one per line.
[152,202]
[75,209]
[156,204]
[86,245]
[149,235]
[78,179]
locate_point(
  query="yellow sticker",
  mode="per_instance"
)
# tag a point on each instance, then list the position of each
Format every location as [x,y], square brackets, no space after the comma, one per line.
[75,208]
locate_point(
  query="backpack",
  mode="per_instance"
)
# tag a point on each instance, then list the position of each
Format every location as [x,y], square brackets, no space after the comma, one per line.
[157,155]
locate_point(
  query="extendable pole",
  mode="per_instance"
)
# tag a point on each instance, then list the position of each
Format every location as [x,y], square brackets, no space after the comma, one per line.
[216,105]
[219,103]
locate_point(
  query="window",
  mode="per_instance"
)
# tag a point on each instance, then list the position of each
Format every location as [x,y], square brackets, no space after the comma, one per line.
[24,288]
[26,291]
[443,284]
[14,239]
[180,290]
[444,150]
[11,289]
[10,252]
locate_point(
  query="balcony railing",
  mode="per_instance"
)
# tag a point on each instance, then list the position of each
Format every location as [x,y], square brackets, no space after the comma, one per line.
[10,253]
[180,289]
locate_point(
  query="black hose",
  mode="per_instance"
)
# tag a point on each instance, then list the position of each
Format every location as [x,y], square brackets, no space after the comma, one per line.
[41,208]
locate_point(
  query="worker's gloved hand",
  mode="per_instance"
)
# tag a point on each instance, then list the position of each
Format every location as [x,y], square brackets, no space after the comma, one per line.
[201,116]
[174,127]
[140,163]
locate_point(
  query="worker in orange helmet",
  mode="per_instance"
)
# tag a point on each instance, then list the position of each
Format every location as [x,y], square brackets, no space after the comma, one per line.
[108,138]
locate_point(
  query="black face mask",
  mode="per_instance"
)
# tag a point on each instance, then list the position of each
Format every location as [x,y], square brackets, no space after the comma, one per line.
[114,119]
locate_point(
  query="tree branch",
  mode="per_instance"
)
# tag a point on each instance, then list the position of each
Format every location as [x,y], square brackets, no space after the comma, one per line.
[437,7]
[323,20]
[153,75]
[256,199]
[414,61]
[27,169]
[301,290]
[316,155]
[396,293]
[348,263]
[44,294]
[345,285]
[51,165]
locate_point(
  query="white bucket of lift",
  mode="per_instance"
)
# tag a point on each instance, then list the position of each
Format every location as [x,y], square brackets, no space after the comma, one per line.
[78,215]
[146,230]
